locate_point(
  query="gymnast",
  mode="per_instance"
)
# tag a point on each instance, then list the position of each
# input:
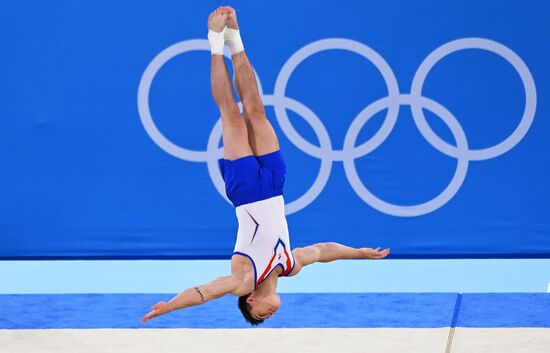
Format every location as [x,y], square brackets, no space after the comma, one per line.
[254,173]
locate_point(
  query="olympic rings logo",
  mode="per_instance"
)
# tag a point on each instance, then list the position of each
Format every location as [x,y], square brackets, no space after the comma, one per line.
[392,102]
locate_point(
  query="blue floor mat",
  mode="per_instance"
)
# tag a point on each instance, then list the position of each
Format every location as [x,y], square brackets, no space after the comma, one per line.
[338,310]
[505,310]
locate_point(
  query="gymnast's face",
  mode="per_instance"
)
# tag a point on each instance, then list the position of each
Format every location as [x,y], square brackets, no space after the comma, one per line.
[264,307]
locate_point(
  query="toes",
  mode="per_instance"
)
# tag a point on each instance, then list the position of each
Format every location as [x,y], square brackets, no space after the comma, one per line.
[226,9]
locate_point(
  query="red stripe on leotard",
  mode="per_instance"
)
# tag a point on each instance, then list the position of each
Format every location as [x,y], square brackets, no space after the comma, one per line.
[288,267]
[267,269]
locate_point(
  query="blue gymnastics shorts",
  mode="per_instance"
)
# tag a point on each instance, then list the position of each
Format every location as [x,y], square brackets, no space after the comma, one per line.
[253,178]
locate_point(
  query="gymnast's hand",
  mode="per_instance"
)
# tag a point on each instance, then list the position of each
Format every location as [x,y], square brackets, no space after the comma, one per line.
[375,253]
[158,309]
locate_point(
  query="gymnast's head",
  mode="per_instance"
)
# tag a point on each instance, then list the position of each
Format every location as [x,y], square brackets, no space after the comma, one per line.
[257,308]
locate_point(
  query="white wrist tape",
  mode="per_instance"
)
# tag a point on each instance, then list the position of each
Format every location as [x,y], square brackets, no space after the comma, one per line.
[233,40]
[216,42]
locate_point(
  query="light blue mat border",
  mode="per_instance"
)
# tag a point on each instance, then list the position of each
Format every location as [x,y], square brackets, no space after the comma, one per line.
[170,276]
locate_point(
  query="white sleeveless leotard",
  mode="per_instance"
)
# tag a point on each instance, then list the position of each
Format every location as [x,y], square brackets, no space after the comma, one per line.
[263,237]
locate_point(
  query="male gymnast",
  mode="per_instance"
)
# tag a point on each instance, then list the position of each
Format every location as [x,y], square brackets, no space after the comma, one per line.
[254,173]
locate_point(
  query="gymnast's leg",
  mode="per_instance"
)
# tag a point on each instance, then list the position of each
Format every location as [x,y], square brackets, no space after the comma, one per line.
[261,136]
[235,134]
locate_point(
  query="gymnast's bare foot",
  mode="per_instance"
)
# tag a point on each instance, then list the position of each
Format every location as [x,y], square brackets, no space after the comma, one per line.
[216,20]
[231,34]
[231,14]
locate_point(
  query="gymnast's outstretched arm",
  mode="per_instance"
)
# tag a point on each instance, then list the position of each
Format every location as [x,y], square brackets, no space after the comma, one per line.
[327,252]
[199,295]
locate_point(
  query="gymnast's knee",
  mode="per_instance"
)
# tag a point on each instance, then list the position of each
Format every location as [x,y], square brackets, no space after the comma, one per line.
[230,111]
[254,112]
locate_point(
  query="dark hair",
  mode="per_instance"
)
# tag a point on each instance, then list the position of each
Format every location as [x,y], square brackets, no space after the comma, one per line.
[245,310]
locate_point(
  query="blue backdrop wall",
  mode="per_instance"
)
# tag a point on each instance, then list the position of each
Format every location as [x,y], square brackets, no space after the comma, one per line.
[420,126]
